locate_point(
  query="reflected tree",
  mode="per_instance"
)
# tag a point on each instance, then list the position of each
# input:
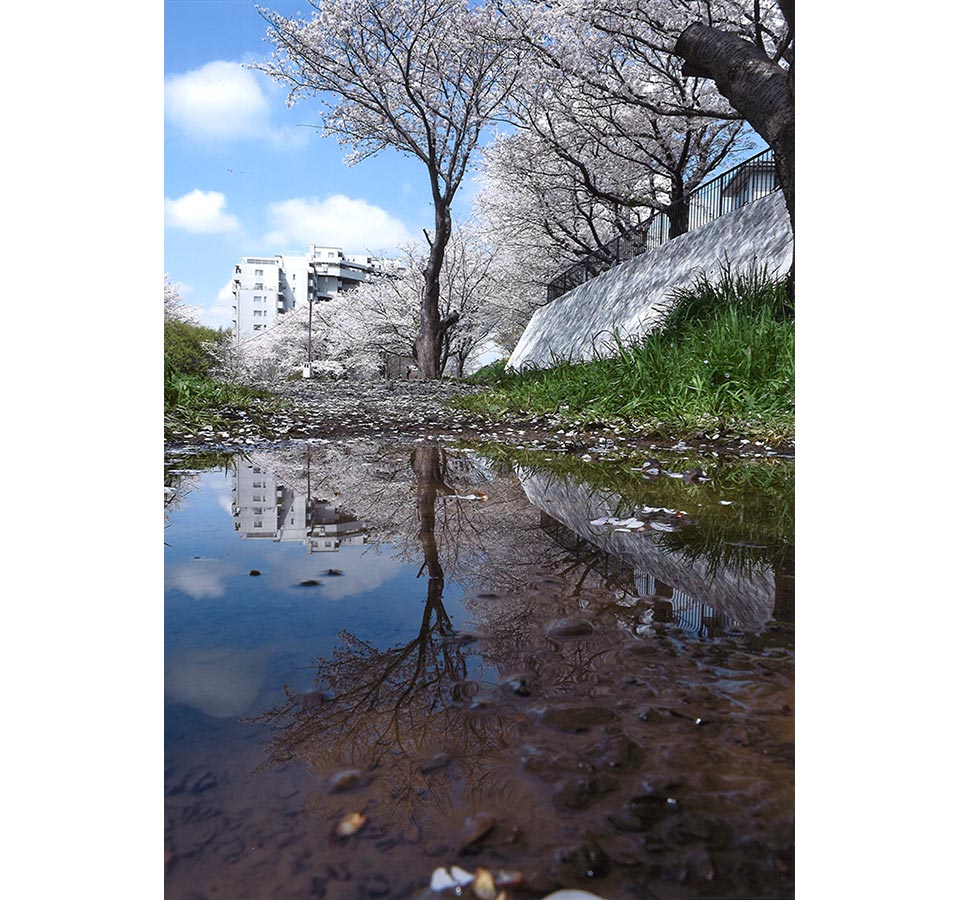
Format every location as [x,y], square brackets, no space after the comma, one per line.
[395,714]
[547,752]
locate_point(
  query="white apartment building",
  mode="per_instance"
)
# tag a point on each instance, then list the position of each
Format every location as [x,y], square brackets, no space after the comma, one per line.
[267,287]
[265,508]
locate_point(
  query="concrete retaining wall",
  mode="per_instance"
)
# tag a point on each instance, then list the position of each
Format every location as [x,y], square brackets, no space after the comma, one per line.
[749,601]
[629,298]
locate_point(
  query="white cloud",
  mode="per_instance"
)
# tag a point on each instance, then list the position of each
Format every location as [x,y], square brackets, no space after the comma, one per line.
[220,315]
[219,101]
[337,221]
[201,212]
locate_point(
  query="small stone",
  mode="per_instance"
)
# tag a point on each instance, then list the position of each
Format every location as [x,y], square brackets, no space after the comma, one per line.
[345,780]
[484,886]
[571,626]
[586,860]
[579,793]
[519,684]
[475,828]
[436,762]
[461,877]
[351,824]
[573,720]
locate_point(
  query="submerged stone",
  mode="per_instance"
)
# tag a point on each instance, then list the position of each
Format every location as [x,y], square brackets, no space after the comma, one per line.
[579,793]
[571,626]
[345,780]
[574,719]
[587,860]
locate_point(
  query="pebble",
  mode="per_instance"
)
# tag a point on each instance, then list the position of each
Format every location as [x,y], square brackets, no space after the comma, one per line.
[571,626]
[573,719]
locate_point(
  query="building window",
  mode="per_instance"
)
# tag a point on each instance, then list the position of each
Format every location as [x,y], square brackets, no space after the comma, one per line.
[257,327]
[259,299]
[258,286]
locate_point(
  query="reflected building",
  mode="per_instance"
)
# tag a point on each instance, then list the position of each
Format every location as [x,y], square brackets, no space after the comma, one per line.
[265,508]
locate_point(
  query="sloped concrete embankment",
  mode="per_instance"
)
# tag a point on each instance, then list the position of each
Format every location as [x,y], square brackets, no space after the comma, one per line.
[747,600]
[629,298]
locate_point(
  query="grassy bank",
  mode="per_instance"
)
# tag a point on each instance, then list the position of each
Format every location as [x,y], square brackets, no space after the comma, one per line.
[196,401]
[192,398]
[723,360]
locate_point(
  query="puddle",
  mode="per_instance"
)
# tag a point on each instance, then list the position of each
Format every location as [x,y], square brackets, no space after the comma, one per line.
[384,661]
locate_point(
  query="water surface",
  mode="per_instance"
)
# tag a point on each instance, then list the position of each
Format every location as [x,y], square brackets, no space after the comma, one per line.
[579,673]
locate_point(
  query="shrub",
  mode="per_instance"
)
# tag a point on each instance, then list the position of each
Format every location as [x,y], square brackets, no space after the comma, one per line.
[189,349]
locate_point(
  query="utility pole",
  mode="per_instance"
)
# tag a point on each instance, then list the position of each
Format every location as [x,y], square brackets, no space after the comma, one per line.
[308,371]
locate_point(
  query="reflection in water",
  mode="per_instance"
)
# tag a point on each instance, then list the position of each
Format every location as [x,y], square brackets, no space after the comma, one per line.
[608,715]
[263,507]
[387,721]
[680,567]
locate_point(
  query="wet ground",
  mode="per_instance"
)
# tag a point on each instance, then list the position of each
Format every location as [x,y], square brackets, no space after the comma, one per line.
[388,410]
[389,657]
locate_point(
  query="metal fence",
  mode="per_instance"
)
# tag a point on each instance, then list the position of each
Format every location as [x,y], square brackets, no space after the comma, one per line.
[750,180]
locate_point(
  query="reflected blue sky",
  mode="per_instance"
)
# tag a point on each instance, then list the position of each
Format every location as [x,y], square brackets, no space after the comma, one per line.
[233,640]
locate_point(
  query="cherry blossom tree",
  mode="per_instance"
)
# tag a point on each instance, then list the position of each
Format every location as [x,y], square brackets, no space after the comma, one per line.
[174,309]
[752,66]
[539,213]
[382,317]
[411,75]
[616,110]
[273,353]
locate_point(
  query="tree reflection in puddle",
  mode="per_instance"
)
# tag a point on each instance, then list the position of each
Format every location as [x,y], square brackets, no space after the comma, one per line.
[575,733]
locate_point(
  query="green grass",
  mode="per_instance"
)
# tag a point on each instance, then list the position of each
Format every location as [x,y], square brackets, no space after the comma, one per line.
[722,360]
[192,397]
[493,373]
[196,401]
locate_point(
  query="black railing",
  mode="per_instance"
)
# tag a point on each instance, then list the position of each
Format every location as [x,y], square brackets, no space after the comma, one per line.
[750,180]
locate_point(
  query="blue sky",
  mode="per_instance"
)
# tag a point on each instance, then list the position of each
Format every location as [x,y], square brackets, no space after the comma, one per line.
[245,175]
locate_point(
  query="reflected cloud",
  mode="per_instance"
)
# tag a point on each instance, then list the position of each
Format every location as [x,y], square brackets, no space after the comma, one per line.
[361,573]
[199,578]
[221,682]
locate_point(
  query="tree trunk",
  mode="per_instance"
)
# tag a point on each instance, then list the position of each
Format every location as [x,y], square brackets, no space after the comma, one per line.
[432,328]
[428,469]
[678,213]
[755,86]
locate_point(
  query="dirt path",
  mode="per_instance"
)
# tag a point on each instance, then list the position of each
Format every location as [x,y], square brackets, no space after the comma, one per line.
[410,410]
